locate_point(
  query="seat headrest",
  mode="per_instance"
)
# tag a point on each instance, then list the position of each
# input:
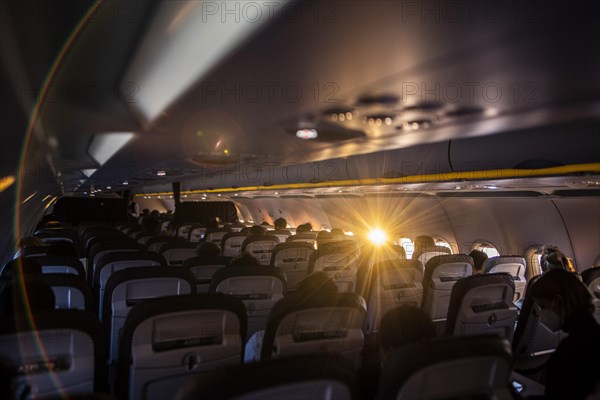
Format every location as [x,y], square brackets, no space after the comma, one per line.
[499,260]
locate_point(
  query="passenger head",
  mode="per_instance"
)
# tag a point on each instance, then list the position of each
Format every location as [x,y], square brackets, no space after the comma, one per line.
[307,227]
[553,258]
[423,241]
[280,223]
[208,250]
[26,293]
[211,224]
[317,282]
[256,230]
[479,258]
[150,224]
[337,233]
[562,298]
[245,259]
[323,236]
[405,324]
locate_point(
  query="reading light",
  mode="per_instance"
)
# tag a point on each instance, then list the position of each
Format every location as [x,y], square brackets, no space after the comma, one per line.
[307,134]
[105,145]
[89,171]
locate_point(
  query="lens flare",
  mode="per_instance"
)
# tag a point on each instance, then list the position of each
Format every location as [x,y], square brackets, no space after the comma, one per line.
[377,236]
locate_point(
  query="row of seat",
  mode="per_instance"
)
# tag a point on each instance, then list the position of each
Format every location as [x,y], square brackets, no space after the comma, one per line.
[164,341]
[451,275]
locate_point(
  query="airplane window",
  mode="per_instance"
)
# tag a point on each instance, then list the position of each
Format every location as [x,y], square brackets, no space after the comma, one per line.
[409,246]
[444,243]
[487,248]
[533,257]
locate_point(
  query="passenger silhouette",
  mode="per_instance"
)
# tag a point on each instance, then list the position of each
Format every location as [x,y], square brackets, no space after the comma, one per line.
[573,370]
[553,258]
[208,250]
[479,258]
[244,259]
[402,325]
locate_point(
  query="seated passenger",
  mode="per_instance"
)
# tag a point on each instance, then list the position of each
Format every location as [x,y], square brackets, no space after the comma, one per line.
[307,227]
[256,230]
[244,259]
[479,258]
[280,224]
[402,325]
[553,258]
[150,224]
[337,233]
[422,242]
[573,370]
[281,227]
[208,250]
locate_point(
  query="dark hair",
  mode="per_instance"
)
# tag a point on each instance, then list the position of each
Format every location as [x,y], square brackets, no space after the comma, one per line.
[317,282]
[563,288]
[324,236]
[405,324]
[307,227]
[150,224]
[208,249]
[244,259]
[337,232]
[211,224]
[256,230]
[479,258]
[553,258]
[280,223]
[423,241]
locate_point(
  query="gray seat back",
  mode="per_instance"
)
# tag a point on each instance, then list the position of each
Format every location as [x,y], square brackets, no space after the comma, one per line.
[482,304]
[292,258]
[127,288]
[392,283]
[259,287]
[447,368]
[62,346]
[514,266]
[316,323]
[166,340]
[441,273]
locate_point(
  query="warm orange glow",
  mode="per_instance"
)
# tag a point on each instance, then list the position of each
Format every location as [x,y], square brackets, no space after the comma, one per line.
[6,182]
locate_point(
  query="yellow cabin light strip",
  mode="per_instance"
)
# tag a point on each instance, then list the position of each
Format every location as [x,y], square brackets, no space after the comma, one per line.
[494,174]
